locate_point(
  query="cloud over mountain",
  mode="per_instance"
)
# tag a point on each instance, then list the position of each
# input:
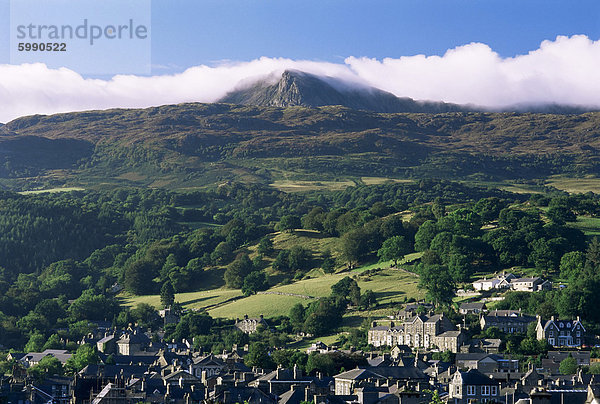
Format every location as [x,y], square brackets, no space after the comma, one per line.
[563,71]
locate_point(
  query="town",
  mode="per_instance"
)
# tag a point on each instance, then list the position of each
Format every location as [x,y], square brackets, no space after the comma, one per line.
[414,356]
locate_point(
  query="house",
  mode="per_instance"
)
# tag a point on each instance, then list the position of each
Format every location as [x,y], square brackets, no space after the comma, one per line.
[412,309]
[483,345]
[506,323]
[485,363]
[561,333]
[472,308]
[107,345]
[473,386]
[33,358]
[419,332]
[281,380]
[485,284]
[208,366]
[552,364]
[249,325]
[409,376]
[318,347]
[53,389]
[500,282]
[530,284]
[132,343]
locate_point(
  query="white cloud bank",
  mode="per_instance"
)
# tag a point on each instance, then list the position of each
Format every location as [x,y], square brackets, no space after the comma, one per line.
[565,71]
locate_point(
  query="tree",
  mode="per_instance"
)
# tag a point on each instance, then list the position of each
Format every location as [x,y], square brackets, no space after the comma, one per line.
[297,315]
[265,246]
[572,264]
[258,355]
[593,251]
[36,343]
[289,222]
[282,262]
[53,342]
[320,362]
[425,235]
[222,254]
[568,366]
[328,264]
[254,282]
[167,294]
[85,355]
[48,365]
[355,245]
[368,299]
[138,277]
[298,258]
[394,248]
[237,271]
[439,284]
[595,368]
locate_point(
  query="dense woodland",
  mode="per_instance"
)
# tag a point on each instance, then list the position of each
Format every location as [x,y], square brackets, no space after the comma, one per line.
[63,253]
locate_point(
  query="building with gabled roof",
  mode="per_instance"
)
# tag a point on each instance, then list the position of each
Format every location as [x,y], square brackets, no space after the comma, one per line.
[473,386]
[419,331]
[561,333]
[506,323]
[249,325]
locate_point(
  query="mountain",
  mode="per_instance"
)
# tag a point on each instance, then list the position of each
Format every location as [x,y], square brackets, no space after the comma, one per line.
[296,88]
[191,145]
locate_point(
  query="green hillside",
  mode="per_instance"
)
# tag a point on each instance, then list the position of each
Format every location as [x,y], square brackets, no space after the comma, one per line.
[188,146]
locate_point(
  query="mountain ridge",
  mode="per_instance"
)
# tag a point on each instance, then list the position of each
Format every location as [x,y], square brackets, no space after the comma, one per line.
[298,88]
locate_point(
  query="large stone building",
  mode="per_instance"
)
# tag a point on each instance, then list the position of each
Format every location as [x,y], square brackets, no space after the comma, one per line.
[250,325]
[561,333]
[419,332]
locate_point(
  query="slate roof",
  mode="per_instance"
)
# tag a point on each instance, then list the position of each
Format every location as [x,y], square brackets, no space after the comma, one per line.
[384,372]
[61,355]
[472,306]
[110,371]
[474,377]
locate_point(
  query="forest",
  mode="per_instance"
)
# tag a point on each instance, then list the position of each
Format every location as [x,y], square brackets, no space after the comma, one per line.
[66,256]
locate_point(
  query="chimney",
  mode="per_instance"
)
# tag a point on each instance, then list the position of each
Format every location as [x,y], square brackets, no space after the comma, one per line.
[297,372]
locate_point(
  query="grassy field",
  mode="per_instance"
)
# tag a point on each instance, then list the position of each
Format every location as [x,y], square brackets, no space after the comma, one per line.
[52,190]
[303,186]
[590,226]
[575,185]
[389,285]
[381,180]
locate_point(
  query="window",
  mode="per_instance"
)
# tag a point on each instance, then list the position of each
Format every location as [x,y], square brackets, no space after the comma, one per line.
[470,390]
[494,391]
[551,333]
[579,333]
[485,390]
[561,325]
[568,325]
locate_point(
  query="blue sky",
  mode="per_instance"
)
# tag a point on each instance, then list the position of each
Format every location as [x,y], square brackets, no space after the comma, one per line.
[502,52]
[192,32]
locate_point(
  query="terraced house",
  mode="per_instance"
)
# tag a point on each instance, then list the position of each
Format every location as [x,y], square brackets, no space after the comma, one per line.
[419,332]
